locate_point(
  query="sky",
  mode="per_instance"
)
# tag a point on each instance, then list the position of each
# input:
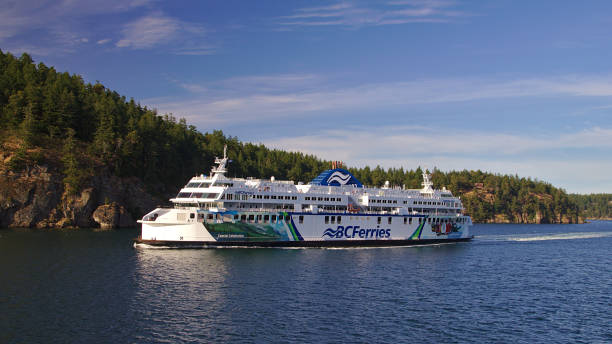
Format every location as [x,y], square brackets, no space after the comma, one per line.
[509,87]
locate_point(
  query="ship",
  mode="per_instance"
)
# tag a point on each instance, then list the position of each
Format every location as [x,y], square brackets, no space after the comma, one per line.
[334,210]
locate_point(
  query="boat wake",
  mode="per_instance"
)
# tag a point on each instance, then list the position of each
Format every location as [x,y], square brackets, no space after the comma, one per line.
[544,236]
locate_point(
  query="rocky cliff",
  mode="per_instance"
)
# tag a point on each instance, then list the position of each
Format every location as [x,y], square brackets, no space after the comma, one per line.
[35,196]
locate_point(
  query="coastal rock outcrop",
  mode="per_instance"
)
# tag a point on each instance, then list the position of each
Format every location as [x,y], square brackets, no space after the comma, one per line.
[35,196]
[110,216]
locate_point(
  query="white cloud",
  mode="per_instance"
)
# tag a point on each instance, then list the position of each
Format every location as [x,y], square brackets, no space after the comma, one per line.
[149,31]
[353,14]
[57,24]
[62,26]
[157,29]
[446,149]
[287,96]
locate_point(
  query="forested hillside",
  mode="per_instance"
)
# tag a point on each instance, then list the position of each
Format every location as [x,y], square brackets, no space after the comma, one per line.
[594,206]
[80,131]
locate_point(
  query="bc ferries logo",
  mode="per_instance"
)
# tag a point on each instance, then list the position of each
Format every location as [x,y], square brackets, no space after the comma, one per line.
[339,177]
[350,232]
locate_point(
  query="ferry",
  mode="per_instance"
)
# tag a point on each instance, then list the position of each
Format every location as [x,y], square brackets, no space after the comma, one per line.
[333,210]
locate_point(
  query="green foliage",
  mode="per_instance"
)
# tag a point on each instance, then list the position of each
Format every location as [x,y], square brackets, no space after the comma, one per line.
[18,160]
[594,206]
[73,173]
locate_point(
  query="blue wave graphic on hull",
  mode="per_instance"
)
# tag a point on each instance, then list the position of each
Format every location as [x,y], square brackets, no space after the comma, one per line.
[331,232]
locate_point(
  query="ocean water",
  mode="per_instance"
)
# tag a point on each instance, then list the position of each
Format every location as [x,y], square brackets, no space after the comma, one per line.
[511,284]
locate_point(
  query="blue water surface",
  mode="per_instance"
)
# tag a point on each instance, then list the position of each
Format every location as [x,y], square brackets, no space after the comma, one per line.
[511,284]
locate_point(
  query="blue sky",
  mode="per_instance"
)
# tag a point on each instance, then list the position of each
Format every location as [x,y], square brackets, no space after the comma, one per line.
[512,87]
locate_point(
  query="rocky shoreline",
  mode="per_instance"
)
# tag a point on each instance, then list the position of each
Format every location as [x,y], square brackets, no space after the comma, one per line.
[36,197]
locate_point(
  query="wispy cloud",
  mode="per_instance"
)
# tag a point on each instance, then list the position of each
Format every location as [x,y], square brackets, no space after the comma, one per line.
[287,96]
[354,14]
[149,31]
[409,147]
[62,26]
[54,26]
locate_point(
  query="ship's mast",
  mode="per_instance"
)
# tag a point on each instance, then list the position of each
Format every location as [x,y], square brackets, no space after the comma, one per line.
[221,163]
[427,184]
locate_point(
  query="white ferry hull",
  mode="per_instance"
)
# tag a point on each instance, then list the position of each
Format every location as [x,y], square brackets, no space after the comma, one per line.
[205,228]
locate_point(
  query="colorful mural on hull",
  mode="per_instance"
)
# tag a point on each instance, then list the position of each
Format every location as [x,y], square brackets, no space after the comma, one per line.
[271,229]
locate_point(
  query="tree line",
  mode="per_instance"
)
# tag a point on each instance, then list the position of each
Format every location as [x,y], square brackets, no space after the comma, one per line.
[91,127]
[594,206]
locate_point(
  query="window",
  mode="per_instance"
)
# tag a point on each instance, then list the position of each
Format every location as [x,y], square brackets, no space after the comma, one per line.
[196,195]
[251,218]
[301,218]
[243,218]
[389,220]
[183,195]
[405,220]
[266,196]
[209,217]
[410,220]
[379,219]
[194,185]
[266,218]
[333,219]
[307,198]
[192,216]
[339,219]
[288,218]
[273,196]
[211,195]
[326,219]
